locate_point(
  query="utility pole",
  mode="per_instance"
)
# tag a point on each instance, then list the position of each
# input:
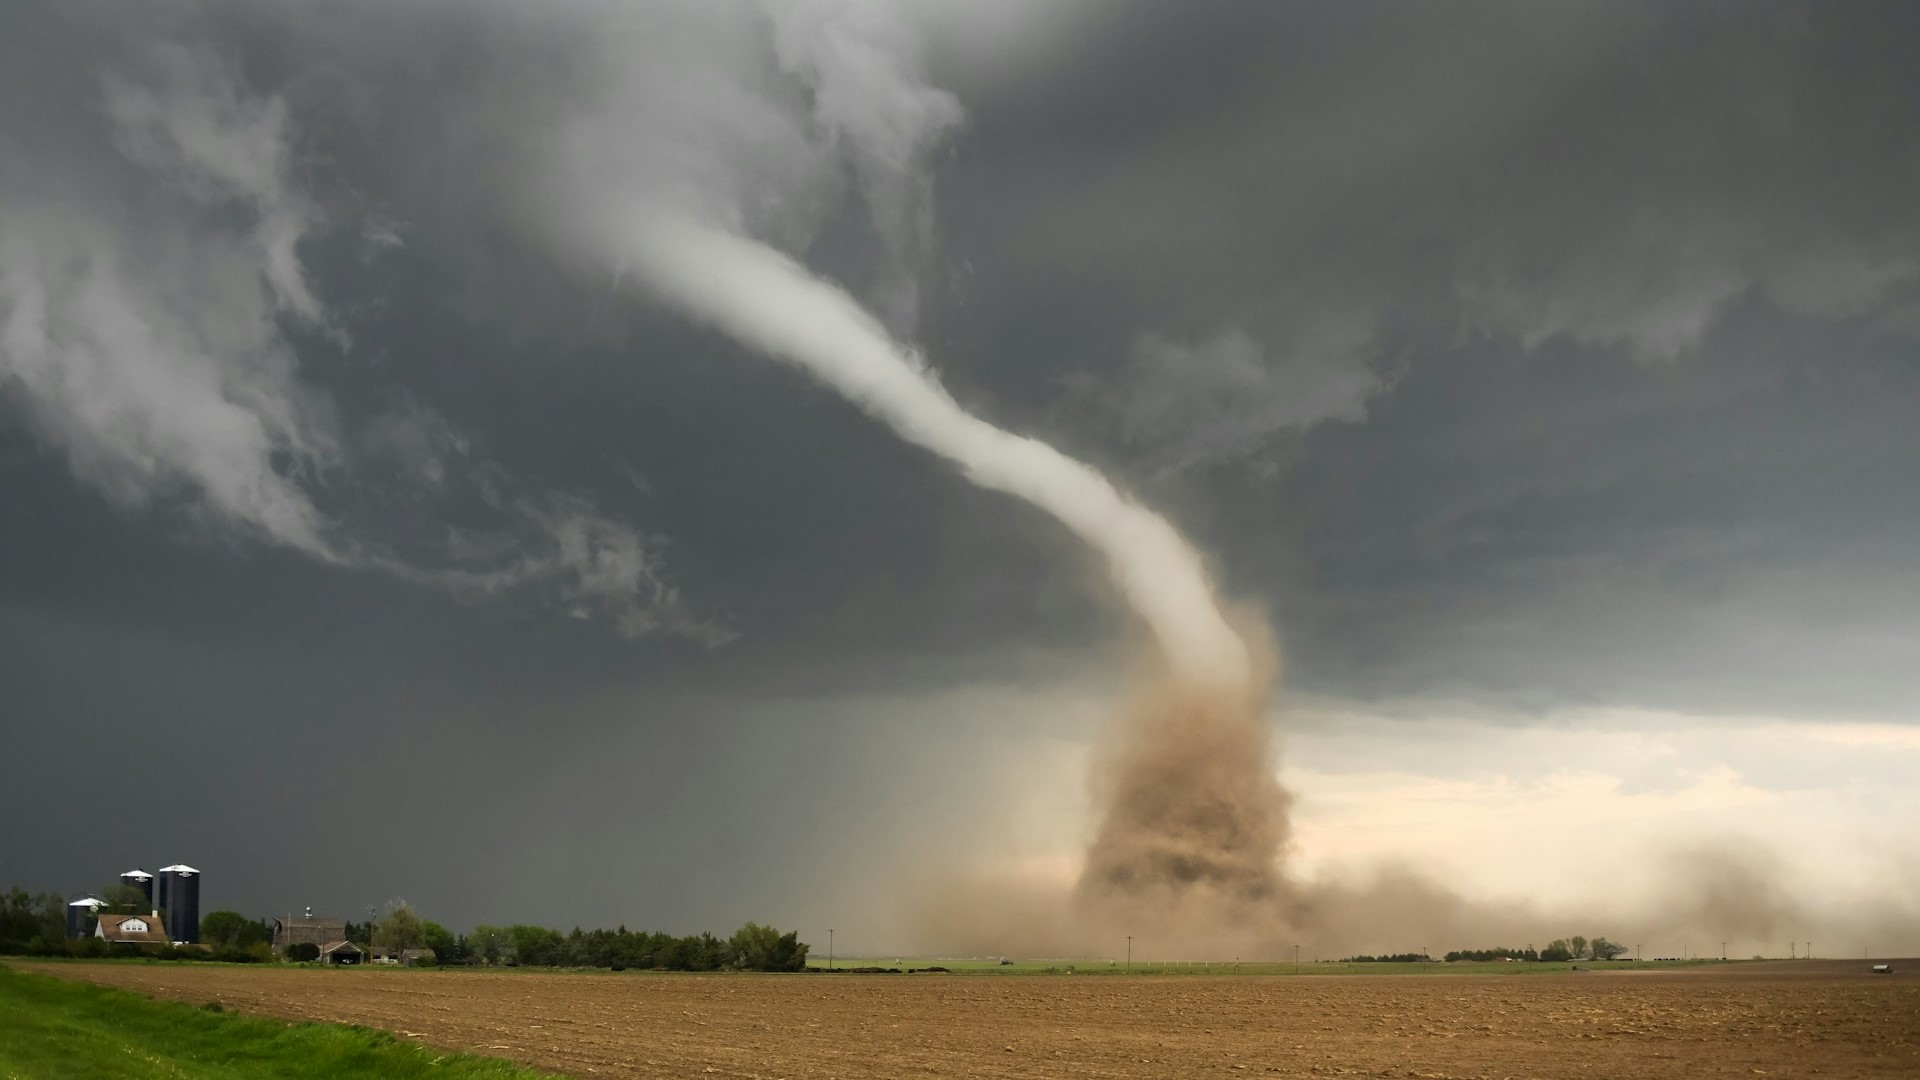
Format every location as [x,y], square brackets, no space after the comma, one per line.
[829,948]
[1791,954]
[1129,952]
[1296,959]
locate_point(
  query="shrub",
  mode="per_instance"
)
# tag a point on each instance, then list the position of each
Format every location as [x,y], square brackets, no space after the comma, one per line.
[303,952]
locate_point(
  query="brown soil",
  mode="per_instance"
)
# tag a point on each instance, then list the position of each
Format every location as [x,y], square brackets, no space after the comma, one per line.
[1812,1018]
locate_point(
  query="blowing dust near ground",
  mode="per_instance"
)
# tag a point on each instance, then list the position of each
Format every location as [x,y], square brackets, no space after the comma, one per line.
[1192,820]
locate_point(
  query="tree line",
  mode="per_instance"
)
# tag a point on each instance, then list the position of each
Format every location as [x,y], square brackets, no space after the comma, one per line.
[1559,949]
[1579,948]
[751,948]
[36,924]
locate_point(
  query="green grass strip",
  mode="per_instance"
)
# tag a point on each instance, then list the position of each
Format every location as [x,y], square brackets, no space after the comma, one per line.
[51,1029]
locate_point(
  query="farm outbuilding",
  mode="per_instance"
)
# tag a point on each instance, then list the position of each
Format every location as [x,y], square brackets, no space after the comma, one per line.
[342,952]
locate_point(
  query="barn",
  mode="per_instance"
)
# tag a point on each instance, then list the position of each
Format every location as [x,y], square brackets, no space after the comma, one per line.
[308,929]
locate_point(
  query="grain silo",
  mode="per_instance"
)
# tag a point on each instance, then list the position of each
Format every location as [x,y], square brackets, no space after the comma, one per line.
[80,916]
[180,900]
[141,880]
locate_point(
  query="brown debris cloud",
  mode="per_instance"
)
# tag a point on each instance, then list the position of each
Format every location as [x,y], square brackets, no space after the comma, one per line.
[1192,820]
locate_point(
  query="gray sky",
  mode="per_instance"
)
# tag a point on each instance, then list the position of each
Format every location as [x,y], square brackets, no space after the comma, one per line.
[1548,376]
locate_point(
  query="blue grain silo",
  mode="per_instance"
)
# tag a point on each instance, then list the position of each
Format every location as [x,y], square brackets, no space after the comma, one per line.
[80,916]
[141,880]
[180,899]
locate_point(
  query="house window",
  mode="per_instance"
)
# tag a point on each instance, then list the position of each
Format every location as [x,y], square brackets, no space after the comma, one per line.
[133,926]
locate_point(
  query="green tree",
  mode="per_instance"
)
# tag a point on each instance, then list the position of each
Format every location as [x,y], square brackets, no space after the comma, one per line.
[536,946]
[762,948]
[400,928]
[1607,950]
[490,944]
[438,938]
[124,899]
[226,930]
[32,921]
[1557,949]
[1579,946]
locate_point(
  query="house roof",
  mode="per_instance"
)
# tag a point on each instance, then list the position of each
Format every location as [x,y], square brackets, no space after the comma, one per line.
[155,932]
[340,946]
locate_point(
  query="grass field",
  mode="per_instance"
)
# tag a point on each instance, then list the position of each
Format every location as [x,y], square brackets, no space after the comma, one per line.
[56,1030]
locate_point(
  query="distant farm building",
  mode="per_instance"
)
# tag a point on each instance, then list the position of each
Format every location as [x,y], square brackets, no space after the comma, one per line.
[138,929]
[341,952]
[81,915]
[139,879]
[308,929]
[407,957]
[180,899]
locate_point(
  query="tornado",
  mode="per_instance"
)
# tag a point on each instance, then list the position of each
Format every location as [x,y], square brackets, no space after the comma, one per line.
[1190,814]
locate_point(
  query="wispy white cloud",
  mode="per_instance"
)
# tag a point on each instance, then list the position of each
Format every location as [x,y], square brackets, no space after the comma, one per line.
[862,61]
[146,270]
[139,315]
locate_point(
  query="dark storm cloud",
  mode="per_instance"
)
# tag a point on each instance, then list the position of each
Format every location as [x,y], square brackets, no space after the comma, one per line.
[1619,174]
[1528,353]
[1556,525]
[1609,308]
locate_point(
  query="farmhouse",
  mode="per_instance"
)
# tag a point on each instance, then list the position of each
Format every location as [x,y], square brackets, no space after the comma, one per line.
[140,929]
[408,957]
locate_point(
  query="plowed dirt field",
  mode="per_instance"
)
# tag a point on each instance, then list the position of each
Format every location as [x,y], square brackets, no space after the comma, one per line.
[1812,1018]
